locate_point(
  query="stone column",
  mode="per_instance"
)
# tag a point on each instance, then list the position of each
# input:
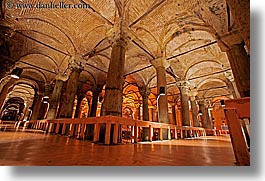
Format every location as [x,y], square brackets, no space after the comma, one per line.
[183,86]
[46,106]
[112,104]
[240,64]
[194,108]
[76,66]
[36,106]
[205,115]
[56,95]
[160,65]
[78,109]
[88,106]
[174,114]
[137,111]
[239,61]
[231,84]
[154,115]
[96,91]
[145,92]
[240,10]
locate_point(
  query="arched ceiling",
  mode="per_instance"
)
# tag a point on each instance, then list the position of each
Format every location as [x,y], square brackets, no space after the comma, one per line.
[23,91]
[183,31]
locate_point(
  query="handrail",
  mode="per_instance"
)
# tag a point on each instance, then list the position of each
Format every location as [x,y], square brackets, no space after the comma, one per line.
[77,126]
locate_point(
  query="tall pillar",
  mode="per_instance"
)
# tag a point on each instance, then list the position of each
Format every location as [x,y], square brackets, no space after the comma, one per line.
[205,115]
[112,104]
[231,84]
[78,109]
[95,91]
[145,92]
[240,10]
[88,106]
[56,95]
[76,66]
[154,115]
[183,86]
[160,65]
[239,61]
[137,111]
[36,106]
[174,113]
[44,107]
[240,64]
[194,108]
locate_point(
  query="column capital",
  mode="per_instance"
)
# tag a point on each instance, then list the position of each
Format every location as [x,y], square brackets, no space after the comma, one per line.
[61,76]
[172,104]
[192,94]
[160,62]
[229,75]
[48,89]
[81,96]
[97,89]
[205,102]
[201,102]
[76,63]
[116,37]
[184,86]
[144,91]
[225,42]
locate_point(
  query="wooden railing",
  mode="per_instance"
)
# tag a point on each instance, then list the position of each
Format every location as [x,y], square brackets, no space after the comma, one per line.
[236,110]
[111,127]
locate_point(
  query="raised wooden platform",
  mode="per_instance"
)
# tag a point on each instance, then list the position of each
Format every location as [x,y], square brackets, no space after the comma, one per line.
[112,128]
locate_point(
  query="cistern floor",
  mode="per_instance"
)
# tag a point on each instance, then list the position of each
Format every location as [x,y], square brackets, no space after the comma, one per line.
[23,148]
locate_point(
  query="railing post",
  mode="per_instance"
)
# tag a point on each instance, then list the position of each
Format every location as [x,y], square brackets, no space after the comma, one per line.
[181,133]
[46,126]
[115,133]
[50,127]
[96,132]
[169,133]
[72,130]
[107,133]
[161,133]
[57,127]
[82,131]
[237,137]
[135,132]
[63,130]
[150,133]
[176,133]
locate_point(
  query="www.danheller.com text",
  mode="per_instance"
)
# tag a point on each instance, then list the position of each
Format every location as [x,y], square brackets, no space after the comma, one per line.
[41,5]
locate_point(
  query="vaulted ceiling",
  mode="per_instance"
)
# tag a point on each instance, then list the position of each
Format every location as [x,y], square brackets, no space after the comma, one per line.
[185,32]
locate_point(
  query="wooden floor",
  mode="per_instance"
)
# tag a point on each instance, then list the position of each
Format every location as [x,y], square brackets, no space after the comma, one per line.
[25,148]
